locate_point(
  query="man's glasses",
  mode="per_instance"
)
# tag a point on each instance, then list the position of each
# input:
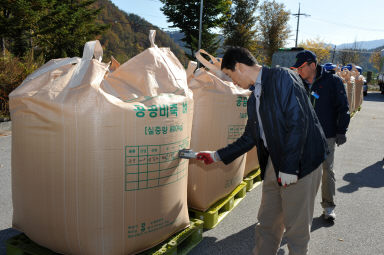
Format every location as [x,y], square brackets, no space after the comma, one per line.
[303,65]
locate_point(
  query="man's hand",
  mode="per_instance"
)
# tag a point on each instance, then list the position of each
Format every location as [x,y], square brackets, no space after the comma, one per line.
[207,156]
[340,139]
[286,179]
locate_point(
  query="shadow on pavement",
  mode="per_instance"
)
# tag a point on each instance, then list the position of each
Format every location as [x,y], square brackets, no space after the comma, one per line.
[374,96]
[244,241]
[320,222]
[239,243]
[317,223]
[5,234]
[371,176]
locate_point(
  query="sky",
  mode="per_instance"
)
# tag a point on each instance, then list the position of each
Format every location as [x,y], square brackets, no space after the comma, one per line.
[331,21]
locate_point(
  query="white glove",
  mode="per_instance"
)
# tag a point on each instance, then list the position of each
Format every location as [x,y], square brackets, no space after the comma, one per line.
[286,179]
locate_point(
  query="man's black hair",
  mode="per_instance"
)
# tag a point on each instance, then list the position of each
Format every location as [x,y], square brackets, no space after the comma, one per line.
[237,55]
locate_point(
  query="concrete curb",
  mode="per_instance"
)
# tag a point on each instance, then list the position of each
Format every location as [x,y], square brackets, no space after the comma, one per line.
[6,126]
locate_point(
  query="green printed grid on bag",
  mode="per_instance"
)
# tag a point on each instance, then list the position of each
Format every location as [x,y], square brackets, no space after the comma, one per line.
[152,166]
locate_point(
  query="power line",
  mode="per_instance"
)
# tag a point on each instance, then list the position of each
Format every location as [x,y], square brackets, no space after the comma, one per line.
[298,21]
[344,50]
[349,26]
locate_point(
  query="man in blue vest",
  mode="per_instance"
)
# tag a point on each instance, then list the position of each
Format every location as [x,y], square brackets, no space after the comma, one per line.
[330,101]
[291,146]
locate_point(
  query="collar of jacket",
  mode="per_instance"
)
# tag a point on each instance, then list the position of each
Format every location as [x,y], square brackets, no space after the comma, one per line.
[319,73]
[264,73]
[252,88]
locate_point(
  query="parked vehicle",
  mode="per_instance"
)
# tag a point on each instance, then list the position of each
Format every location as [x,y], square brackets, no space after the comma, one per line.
[329,67]
[365,88]
[380,81]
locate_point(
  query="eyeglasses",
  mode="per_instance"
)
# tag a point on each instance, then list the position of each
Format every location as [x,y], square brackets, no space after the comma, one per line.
[303,65]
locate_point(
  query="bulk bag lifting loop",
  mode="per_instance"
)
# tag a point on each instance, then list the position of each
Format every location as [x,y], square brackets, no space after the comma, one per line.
[91,49]
[214,67]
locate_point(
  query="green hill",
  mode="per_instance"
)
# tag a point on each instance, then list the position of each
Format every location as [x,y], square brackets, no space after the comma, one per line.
[128,34]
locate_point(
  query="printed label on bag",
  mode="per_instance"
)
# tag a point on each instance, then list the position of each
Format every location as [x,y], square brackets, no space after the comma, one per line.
[241,101]
[156,111]
[151,166]
[148,227]
[163,130]
[235,132]
[243,115]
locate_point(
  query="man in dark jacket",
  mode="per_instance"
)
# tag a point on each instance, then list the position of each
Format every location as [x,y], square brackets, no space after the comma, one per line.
[329,99]
[291,147]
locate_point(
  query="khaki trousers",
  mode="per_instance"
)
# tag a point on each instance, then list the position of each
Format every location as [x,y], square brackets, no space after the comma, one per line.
[328,182]
[290,208]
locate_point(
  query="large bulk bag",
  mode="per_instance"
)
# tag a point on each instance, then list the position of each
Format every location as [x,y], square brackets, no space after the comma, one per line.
[252,162]
[349,83]
[359,82]
[351,93]
[220,116]
[94,154]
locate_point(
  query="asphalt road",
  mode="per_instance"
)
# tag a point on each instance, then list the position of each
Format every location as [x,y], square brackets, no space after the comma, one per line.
[358,229]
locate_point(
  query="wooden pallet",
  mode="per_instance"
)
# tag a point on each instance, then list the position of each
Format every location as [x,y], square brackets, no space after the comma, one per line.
[217,212]
[178,244]
[253,179]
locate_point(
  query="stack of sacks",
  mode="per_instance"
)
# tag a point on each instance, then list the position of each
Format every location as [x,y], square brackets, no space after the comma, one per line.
[342,75]
[252,162]
[354,86]
[351,91]
[349,82]
[220,117]
[95,167]
[359,82]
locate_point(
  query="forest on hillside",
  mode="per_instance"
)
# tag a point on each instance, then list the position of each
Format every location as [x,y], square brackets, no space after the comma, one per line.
[127,35]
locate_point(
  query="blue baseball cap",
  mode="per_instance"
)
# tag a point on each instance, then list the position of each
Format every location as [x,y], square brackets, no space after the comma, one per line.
[329,66]
[303,57]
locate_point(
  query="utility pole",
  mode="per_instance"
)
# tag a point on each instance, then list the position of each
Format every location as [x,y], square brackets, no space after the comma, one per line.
[333,55]
[298,21]
[201,21]
[200,28]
